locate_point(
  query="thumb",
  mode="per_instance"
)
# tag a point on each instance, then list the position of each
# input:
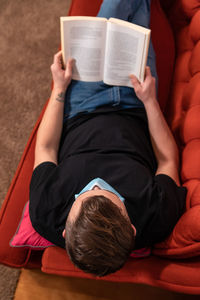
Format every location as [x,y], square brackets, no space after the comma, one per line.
[69,67]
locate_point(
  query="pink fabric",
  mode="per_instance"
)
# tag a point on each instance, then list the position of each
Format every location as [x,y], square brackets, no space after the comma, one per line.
[26,236]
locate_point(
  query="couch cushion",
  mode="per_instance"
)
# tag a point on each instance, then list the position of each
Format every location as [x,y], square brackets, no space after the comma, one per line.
[155,271]
[165,65]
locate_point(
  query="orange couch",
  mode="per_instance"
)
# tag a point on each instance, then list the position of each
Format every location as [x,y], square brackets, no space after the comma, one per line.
[175,263]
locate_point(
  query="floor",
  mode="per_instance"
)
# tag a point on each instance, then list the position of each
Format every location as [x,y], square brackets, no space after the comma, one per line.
[34,284]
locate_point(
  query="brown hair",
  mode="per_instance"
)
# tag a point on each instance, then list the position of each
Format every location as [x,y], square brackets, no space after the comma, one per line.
[101,238]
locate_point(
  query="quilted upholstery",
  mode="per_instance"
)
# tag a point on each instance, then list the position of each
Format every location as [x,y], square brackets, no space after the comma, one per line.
[183,115]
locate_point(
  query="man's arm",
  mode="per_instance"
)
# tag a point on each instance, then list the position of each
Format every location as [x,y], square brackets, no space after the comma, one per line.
[49,132]
[163,142]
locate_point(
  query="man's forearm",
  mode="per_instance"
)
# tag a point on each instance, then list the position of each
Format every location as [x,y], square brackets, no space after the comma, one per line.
[163,142]
[49,132]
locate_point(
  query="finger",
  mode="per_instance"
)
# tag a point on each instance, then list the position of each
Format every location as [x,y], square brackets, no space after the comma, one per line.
[134,78]
[69,66]
[147,71]
[58,58]
[135,82]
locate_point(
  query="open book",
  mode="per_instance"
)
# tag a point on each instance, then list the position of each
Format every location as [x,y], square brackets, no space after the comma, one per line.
[108,50]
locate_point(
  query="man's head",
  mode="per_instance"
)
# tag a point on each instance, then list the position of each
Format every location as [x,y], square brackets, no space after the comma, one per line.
[99,235]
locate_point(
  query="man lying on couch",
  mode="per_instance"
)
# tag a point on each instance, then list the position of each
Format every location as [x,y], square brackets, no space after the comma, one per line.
[105,179]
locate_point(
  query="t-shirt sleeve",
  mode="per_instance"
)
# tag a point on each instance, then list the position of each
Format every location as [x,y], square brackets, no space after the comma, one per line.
[171,193]
[171,201]
[43,178]
[40,175]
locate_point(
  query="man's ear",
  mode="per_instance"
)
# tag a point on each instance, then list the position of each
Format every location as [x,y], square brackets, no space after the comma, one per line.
[134,229]
[63,233]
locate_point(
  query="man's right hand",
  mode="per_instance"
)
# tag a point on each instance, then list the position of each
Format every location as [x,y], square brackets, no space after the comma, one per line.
[145,91]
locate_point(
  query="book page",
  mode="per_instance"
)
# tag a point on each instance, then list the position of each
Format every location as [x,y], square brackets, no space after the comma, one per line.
[84,40]
[124,54]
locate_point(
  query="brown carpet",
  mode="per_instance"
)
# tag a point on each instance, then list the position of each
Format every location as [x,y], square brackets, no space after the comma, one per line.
[29,36]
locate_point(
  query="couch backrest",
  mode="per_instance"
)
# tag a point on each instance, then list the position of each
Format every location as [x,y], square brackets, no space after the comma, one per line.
[183,114]
[184,106]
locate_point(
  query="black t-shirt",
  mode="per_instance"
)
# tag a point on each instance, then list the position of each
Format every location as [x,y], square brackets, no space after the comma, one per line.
[115,146]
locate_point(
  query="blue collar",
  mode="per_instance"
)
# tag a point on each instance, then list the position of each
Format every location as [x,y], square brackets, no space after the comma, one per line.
[102,184]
